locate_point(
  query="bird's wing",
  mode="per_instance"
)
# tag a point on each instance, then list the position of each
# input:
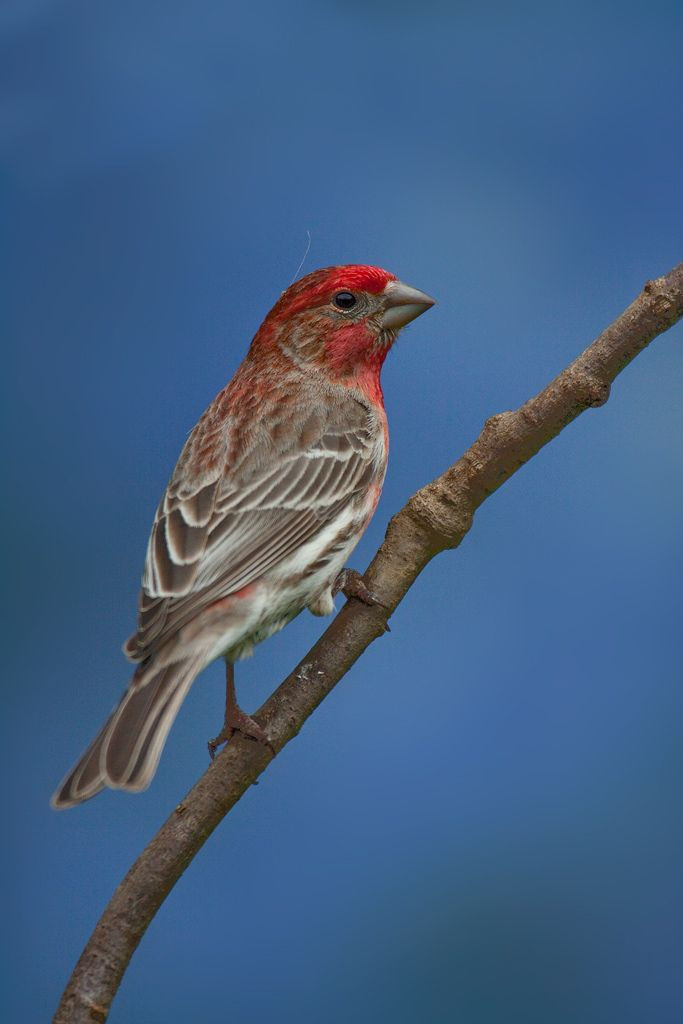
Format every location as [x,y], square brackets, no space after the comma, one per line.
[216,531]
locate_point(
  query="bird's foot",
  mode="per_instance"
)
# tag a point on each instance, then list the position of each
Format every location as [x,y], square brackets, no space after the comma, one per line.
[237,720]
[350,583]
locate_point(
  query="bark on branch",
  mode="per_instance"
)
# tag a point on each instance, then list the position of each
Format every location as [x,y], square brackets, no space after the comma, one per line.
[437,517]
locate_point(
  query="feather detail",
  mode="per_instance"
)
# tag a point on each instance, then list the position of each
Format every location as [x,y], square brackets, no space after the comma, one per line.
[126,751]
[275,497]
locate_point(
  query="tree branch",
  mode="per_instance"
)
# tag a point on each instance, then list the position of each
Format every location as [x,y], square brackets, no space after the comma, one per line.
[437,517]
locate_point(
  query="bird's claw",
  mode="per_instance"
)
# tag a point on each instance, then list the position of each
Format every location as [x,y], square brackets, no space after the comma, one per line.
[350,583]
[244,724]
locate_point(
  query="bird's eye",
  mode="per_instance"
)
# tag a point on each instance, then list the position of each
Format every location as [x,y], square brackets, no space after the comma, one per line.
[345,300]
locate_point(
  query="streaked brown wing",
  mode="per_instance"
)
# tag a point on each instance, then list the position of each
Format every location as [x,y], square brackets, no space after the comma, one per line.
[212,541]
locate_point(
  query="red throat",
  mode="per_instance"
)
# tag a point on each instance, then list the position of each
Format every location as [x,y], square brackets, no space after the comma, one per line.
[355,357]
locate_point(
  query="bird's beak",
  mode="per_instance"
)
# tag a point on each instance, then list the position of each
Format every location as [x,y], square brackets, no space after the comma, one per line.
[402,304]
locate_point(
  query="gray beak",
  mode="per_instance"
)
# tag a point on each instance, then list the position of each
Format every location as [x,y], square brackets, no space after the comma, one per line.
[402,304]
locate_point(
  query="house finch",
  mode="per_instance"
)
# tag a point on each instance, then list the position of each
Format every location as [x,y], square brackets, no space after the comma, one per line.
[271,493]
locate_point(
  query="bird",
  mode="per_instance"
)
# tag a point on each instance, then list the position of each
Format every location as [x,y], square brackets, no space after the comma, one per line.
[271,493]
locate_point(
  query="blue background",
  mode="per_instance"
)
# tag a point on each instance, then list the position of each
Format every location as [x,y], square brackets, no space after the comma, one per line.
[483,822]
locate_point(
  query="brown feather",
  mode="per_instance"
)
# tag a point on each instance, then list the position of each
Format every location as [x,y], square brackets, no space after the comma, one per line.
[262,509]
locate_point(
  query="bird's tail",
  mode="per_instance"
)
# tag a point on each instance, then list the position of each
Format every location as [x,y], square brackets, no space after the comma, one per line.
[126,751]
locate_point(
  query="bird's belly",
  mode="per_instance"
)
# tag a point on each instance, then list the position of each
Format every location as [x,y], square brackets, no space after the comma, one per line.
[279,596]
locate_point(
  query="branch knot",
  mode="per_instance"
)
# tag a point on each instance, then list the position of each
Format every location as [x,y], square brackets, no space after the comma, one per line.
[445,516]
[597,392]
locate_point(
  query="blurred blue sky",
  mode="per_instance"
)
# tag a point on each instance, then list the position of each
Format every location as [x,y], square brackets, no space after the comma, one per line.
[483,822]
